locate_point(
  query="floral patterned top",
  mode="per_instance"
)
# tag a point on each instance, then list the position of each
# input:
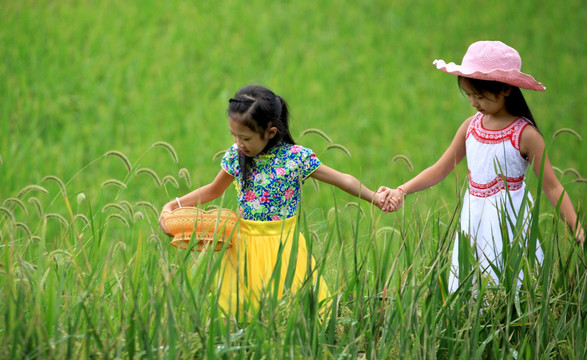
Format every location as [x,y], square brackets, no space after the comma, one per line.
[274,185]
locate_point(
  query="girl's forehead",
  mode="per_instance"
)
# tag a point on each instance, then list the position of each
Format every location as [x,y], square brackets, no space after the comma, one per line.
[471,90]
[237,128]
[467,87]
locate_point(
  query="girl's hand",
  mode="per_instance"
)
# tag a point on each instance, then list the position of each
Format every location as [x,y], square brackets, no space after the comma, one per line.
[580,234]
[384,203]
[381,197]
[161,221]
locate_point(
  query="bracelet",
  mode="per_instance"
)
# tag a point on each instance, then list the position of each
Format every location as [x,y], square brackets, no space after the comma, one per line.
[178,203]
[400,189]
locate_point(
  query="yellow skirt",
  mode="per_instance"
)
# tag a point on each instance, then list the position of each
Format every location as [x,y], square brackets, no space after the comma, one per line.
[251,266]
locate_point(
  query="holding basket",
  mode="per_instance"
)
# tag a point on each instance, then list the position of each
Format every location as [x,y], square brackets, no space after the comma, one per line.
[210,228]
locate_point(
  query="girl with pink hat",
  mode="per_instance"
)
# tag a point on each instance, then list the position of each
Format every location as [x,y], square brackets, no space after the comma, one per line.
[501,140]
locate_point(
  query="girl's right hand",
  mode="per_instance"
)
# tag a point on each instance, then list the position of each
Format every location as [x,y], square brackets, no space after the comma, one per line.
[161,221]
[580,234]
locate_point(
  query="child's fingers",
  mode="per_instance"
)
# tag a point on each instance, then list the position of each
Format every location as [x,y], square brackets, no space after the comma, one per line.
[379,201]
[161,223]
[393,204]
[580,236]
[399,202]
[383,193]
[390,199]
[386,206]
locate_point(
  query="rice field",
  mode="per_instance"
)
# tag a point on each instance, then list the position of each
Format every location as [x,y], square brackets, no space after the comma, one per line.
[109,109]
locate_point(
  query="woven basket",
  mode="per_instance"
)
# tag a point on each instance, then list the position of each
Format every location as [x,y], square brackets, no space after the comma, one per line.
[210,228]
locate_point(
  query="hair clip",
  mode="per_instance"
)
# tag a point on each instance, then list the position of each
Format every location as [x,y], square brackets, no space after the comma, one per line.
[245,100]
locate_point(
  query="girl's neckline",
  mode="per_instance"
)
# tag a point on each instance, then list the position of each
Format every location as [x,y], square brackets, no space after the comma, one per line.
[269,153]
[500,129]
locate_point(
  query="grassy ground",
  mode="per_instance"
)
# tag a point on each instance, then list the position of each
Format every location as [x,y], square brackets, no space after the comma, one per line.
[108,109]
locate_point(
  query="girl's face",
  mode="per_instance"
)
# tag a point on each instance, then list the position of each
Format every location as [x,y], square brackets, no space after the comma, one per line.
[249,141]
[486,103]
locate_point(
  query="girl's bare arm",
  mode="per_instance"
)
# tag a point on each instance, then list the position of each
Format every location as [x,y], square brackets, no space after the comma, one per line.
[447,162]
[532,146]
[199,196]
[346,182]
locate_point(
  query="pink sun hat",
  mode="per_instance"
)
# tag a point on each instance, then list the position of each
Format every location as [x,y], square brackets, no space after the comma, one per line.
[494,61]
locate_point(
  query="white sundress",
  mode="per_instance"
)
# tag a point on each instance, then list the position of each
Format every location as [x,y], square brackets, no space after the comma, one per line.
[493,160]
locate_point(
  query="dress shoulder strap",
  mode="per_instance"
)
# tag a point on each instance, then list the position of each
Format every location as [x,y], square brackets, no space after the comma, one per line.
[518,126]
[474,124]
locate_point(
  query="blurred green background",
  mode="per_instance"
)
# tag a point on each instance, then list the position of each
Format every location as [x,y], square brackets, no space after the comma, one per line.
[111,108]
[80,78]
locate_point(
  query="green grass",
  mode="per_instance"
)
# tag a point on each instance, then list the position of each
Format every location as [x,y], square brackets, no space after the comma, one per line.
[109,109]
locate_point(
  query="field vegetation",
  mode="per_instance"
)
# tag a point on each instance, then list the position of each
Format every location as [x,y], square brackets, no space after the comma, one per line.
[108,109]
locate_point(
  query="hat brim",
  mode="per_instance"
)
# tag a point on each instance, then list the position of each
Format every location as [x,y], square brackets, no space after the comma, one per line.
[512,77]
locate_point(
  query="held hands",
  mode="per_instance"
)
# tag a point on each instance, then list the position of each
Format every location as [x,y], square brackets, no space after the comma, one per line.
[389,200]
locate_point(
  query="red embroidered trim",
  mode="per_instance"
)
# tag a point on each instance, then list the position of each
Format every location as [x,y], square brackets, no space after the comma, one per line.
[494,186]
[512,132]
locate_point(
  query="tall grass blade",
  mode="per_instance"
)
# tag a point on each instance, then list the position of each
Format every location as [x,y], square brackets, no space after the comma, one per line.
[405,159]
[16,201]
[318,132]
[58,181]
[184,174]
[30,188]
[534,234]
[113,182]
[121,156]
[569,131]
[340,148]
[152,174]
[167,146]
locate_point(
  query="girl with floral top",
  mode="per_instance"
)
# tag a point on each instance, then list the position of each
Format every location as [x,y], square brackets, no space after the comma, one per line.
[268,170]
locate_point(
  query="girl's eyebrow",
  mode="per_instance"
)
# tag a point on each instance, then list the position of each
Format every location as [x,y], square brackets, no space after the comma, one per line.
[472,93]
[240,136]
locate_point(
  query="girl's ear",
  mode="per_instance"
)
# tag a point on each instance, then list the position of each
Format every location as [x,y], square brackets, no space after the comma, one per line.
[271,132]
[507,91]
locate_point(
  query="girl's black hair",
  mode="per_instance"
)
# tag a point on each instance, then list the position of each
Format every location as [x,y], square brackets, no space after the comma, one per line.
[259,108]
[515,103]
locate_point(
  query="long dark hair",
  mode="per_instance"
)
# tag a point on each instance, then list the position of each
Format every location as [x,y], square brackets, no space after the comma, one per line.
[515,103]
[259,108]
